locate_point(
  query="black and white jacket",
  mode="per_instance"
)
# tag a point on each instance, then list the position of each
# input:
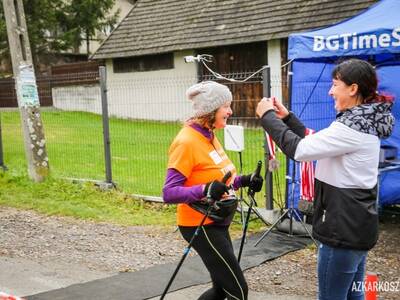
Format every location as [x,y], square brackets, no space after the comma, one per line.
[347,154]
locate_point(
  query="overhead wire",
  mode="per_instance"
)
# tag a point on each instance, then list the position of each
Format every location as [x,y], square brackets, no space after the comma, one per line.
[204,58]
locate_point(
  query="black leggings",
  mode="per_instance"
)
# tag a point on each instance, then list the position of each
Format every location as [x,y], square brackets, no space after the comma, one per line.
[214,246]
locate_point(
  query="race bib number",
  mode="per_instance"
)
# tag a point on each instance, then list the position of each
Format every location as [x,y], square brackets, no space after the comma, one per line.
[215,157]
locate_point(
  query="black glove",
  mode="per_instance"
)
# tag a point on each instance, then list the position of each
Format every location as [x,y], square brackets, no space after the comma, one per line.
[215,189]
[253,181]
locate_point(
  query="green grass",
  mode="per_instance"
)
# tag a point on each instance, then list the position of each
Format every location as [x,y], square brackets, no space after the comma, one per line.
[84,201]
[81,201]
[138,149]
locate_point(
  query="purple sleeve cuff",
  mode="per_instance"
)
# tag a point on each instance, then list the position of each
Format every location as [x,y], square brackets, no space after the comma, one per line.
[174,190]
[237,183]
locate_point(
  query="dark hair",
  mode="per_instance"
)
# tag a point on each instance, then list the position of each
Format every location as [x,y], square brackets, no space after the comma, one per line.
[363,74]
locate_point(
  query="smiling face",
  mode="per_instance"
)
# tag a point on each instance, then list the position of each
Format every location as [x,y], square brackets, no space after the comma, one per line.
[222,115]
[345,96]
[354,83]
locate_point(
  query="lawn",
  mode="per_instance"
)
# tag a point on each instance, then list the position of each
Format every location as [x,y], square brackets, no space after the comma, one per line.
[82,201]
[138,149]
[57,197]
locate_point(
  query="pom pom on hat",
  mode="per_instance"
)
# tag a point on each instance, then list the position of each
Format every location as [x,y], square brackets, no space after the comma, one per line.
[208,96]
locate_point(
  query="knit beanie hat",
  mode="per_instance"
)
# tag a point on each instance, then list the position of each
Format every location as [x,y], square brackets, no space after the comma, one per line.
[207,96]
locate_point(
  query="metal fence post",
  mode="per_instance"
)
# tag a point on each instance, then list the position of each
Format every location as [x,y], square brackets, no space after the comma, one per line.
[2,165]
[106,129]
[269,201]
[289,84]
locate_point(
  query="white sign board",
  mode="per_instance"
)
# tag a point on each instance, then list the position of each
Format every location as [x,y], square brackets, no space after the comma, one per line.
[234,138]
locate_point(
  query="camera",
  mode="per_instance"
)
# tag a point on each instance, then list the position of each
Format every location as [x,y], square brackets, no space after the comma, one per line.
[191,58]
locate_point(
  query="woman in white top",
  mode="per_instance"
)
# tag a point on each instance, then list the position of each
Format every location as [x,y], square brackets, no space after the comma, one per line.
[345,220]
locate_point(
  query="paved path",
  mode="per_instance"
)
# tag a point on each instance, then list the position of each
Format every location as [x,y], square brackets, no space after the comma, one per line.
[192,293]
[21,277]
[38,278]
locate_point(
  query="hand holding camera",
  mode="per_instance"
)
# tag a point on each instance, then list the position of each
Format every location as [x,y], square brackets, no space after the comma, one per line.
[280,110]
[267,104]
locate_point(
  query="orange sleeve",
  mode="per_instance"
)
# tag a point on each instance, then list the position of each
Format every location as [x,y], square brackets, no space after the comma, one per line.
[181,158]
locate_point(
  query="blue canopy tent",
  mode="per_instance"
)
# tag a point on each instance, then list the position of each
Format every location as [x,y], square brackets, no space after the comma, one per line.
[373,35]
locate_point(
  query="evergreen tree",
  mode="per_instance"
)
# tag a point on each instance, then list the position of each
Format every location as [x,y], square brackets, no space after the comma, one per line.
[84,18]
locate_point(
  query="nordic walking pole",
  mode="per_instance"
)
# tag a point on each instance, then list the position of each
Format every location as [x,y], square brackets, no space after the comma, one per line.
[252,201]
[185,253]
[187,249]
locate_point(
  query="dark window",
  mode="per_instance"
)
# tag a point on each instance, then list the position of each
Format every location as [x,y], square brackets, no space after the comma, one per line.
[238,62]
[236,58]
[143,63]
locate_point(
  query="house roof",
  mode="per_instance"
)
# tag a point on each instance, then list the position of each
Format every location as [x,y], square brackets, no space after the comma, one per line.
[169,25]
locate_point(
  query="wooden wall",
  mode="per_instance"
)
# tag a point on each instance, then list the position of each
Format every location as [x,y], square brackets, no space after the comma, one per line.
[238,62]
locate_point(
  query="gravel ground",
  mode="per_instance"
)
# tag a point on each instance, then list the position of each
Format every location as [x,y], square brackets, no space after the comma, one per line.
[111,249]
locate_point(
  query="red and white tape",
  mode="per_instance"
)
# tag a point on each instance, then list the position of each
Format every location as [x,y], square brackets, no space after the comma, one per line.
[4,296]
